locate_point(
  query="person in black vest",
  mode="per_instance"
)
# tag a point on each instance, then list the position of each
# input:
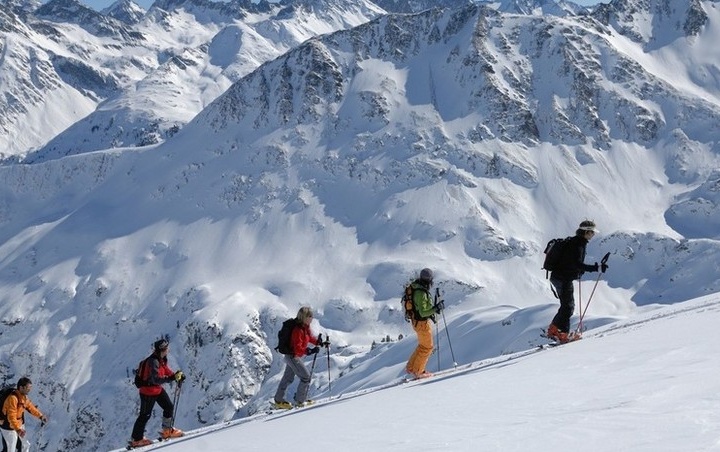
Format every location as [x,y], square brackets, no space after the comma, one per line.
[571,267]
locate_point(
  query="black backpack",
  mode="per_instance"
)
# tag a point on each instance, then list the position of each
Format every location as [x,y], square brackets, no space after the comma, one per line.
[4,393]
[142,375]
[555,252]
[285,335]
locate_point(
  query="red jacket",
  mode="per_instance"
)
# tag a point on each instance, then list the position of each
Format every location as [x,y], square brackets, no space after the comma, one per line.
[156,372]
[301,337]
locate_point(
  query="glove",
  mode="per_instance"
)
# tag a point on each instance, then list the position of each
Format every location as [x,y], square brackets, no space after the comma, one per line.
[179,376]
[21,433]
[603,267]
[594,268]
[439,306]
[312,351]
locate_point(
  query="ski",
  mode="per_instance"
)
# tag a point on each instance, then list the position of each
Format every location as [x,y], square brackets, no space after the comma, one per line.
[274,408]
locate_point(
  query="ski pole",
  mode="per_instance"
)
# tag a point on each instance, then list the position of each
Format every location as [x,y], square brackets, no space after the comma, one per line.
[437,344]
[442,311]
[327,349]
[176,400]
[597,280]
[580,309]
[452,353]
[312,368]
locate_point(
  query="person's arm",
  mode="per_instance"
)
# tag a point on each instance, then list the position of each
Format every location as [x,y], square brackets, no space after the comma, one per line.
[32,409]
[579,264]
[157,376]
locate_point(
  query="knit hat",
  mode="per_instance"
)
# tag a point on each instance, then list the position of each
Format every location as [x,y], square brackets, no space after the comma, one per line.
[426,274]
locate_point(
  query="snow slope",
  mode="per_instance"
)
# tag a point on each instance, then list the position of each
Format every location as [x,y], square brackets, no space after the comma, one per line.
[647,383]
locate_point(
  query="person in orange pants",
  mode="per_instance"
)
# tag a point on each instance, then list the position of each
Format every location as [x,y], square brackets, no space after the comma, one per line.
[423,312]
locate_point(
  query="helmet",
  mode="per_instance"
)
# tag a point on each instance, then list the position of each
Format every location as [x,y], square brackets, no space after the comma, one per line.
[426,275]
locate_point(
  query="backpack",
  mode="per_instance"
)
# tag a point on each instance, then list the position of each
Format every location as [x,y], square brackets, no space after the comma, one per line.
[408,305]
[4,394]
[285,337]
[554,254]
[142,374]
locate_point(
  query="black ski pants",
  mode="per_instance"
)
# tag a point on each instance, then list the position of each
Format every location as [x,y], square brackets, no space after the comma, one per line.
[566,293]
[146,406]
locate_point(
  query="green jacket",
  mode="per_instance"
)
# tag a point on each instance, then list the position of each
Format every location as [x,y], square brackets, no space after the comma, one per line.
[422,300]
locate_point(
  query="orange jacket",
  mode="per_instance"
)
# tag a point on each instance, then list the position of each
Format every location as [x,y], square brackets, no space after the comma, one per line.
[14,407]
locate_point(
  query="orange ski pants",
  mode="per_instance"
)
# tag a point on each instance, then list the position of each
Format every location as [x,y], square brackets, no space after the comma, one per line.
[418,360]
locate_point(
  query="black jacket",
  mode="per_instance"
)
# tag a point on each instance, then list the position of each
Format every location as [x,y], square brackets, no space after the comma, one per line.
[572,263]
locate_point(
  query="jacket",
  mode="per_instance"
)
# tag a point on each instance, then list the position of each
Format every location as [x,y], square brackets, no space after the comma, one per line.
[158,373]
[301,337]
[573,260]
[422,300]
[14,408]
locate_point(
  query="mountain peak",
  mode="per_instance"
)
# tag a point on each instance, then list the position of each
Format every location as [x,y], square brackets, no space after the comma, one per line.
[125,11]
[654,23]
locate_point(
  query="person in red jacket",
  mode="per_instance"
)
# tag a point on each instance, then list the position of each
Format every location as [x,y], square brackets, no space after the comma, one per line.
[300,339]
[13,425]
[155,371]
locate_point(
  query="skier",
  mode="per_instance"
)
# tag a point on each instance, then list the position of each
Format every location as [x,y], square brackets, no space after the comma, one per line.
[300,340]
[571,267]
[423,312]
[156,373]
[13,419]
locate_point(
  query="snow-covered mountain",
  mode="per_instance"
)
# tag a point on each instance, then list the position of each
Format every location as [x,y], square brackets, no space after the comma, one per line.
[180,54]
[327,174]
[125,11]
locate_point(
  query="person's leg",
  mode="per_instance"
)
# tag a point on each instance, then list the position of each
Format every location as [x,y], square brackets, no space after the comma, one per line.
[566,294]
[11,439]
[424,349]
[167,406]
[412,361]
[23,444]
[299,369]
[146,407]
[287,378]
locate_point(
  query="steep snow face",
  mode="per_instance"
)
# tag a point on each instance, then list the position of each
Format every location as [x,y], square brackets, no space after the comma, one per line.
[460,139]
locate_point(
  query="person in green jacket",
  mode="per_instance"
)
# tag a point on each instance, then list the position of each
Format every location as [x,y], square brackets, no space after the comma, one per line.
[424,312]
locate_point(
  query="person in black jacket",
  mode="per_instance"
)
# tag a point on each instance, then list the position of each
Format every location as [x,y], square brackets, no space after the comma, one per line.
[572,266]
